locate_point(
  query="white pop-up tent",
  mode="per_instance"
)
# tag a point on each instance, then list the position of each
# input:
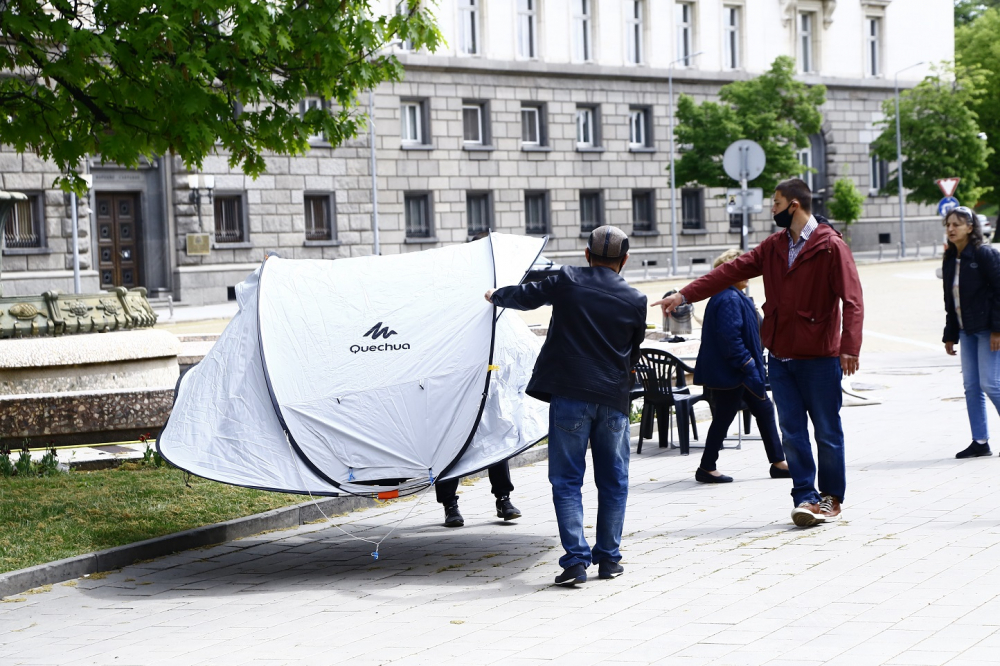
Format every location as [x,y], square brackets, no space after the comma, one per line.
[372,375]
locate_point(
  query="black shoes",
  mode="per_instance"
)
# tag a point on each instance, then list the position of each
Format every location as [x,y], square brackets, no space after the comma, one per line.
[702,476]
[778,473]
[608,569]
[452,516]
[975,450]
[572,575]
[506,509]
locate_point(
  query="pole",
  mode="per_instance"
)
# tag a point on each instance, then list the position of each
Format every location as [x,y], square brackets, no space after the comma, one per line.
[76,242]
[3,242]
[376,249]
[899,174]
[899,164]
[673,180]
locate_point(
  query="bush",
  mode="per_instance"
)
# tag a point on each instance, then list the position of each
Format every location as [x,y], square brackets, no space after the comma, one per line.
[846,204]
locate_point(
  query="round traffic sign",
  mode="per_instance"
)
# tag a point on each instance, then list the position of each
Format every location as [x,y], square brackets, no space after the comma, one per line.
[744,159]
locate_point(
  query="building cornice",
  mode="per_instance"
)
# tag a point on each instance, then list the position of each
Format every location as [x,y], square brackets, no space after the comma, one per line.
[485,66]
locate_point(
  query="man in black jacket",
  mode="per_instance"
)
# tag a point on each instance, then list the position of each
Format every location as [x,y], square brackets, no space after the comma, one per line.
[584,372]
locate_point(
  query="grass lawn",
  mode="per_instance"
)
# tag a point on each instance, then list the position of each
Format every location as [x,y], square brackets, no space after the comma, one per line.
[48,518]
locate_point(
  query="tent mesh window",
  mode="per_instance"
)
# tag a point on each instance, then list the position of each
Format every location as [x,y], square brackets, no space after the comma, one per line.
[536,213]
[229,219]
[319,225]
[23,228]
[417,211]
[643,206]
[590,211]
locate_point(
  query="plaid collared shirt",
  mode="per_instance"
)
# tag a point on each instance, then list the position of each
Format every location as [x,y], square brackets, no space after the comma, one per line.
[793,247]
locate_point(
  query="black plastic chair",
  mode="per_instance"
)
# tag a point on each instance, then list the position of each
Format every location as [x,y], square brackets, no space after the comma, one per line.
[666,389]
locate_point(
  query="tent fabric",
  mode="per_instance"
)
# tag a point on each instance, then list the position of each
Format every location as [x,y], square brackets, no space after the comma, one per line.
[364,375]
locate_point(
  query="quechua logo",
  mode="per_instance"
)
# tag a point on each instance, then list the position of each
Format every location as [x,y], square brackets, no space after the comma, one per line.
[375,332]
[378,330]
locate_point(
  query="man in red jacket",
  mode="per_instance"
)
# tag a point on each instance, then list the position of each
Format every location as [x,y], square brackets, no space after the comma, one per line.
[808,270]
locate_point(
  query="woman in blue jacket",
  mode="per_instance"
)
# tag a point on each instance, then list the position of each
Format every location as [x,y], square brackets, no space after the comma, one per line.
[731,368]
[971,273]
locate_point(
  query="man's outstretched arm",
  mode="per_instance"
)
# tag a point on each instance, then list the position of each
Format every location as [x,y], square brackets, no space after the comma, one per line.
[526,296]
[749,265]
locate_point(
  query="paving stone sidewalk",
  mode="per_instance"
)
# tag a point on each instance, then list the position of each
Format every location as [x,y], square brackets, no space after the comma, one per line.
[714,574]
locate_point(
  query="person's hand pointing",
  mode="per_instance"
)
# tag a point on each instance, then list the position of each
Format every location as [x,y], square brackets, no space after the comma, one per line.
[668,303]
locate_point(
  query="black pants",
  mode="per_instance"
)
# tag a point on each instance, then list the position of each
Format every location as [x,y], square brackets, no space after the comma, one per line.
[726,404]
[499,479]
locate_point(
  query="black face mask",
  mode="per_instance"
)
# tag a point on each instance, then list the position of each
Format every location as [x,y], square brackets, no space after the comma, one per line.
[783,218]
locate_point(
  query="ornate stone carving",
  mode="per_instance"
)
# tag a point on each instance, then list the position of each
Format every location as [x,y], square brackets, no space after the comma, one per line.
[23,311]
[53,313]
[110,307]
[77,308]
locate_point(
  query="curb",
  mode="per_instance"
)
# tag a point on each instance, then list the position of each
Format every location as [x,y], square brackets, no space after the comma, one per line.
[15,582]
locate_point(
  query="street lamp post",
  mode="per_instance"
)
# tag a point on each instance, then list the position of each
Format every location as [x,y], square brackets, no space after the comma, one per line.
[673,180]
[371,149]
[899,164]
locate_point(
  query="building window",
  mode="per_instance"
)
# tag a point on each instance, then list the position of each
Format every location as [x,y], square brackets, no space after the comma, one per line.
[643,210]
[693,208]
[527,28]
[401,9]
[582,19]
[685,32]
[475,123]
[308,104]
[468,27]
[878,174]
[640,127]
[807,44]
[587,132]
[533,125]
[417,211]
[230,218]
[413,123]
[478,211]
[805,159]
[731,38]
[320,217]
[736,223]
[591,211]
[536,212]
[873,46]
[25,228]
[633,34]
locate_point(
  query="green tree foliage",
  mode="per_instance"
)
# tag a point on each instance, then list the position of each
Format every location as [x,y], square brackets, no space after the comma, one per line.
[847,202]
[967,11]
[940,136]
[978,46]
[125,79]
[772,109]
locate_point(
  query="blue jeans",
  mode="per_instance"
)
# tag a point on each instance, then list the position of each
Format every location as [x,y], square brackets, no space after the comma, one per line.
[811,386]
[981,376]
[571,424]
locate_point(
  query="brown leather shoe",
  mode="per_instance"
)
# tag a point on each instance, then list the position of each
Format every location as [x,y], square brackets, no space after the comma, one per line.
[807,515]
[829,506]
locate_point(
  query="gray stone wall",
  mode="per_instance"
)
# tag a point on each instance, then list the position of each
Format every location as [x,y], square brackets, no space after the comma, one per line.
[34,270]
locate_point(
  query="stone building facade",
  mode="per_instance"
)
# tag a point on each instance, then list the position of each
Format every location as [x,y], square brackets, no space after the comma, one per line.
[514,135]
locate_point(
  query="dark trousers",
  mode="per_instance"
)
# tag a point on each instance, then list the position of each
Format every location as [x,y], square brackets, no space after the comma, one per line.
[726,404]
[811,388]
[499,479]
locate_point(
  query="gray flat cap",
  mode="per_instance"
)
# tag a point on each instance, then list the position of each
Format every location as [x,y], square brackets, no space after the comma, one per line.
[608,242]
